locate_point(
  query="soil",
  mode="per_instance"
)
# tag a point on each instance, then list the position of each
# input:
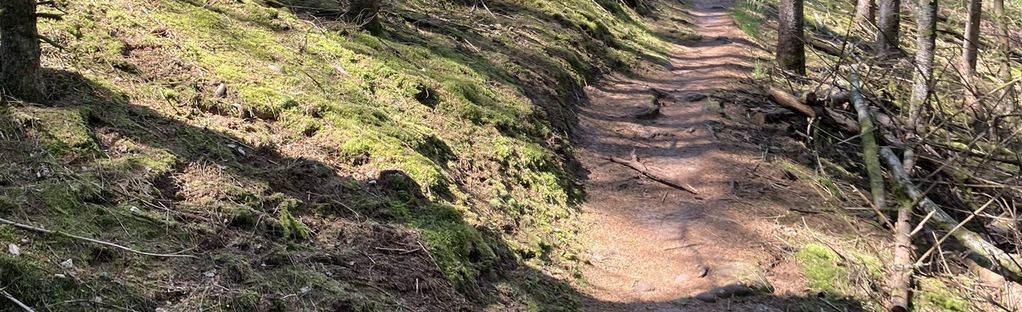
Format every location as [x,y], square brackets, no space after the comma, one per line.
[654,247]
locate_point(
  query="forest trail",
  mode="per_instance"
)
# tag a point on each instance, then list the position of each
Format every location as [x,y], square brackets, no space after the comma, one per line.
[651,246]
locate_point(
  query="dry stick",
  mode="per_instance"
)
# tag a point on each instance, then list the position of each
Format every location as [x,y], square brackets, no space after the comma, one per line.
[42,230]
[637,166]
[16,301]
[943,221]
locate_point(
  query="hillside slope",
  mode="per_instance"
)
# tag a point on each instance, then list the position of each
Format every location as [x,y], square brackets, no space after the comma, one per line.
[293,162]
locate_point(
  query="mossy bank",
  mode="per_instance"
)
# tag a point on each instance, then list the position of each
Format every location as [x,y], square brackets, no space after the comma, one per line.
[305,163]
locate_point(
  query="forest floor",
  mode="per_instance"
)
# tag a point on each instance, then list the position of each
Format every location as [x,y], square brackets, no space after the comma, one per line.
[650,244]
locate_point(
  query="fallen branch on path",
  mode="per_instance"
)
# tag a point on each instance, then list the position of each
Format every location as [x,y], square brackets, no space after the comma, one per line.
[641,168]
[105,243]
[943,221]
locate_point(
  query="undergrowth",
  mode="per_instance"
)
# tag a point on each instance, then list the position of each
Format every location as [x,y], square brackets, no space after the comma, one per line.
[887,83]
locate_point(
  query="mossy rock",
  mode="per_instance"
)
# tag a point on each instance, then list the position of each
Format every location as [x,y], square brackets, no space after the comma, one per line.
[64,132]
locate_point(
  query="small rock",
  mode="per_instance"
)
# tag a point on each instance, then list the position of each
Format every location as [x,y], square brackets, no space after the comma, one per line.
[746,274]
[58,275]
[707,297]
[221,91]
[305,290]
[274,68]
[646,113]
[14,250]
[67,264]
[210,273]
[644,287]
[97,299]
[134,209]
[695,97]
[735,280]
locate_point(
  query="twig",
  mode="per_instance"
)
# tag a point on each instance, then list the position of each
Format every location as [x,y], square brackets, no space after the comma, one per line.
[399,251]
[16,301]
[641,168]
[45,231]
[430,257]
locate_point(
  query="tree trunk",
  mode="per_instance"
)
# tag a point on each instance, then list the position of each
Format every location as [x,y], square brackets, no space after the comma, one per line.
[971,42]
[925,43]
[889,24]
[365,13]
[1004,41]
[969,48]
[20,72]
[865,13]
[791,51]
[870,147]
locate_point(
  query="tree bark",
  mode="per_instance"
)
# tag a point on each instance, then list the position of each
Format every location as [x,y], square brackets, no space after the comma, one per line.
[971,43]
[791,52]
[865,13]
[889,24]
[870,147]
[925,43]
[20,73]
[365,13]
[901,271]
[1004,41]
[970,46]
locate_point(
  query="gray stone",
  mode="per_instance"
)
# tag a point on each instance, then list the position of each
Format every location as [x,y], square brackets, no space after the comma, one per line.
[736,280]
[746,274]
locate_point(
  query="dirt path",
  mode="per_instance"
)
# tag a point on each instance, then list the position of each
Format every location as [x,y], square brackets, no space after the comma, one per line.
[650,245]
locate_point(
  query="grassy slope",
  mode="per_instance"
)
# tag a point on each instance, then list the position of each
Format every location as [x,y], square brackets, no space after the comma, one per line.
[934,290]
[331,160]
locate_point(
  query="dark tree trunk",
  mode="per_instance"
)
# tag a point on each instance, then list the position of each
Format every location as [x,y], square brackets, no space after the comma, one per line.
[365,13]
[1001,26]
[889,23]
[971,42]
[926,36]
[791,51]
[19,50]
[865,13]
[969,49]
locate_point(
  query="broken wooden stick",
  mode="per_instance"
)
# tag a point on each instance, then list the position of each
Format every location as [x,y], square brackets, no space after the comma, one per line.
[943,221]
[824,46]
[791,102]
[641,168]
[15,301]
[45,231]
